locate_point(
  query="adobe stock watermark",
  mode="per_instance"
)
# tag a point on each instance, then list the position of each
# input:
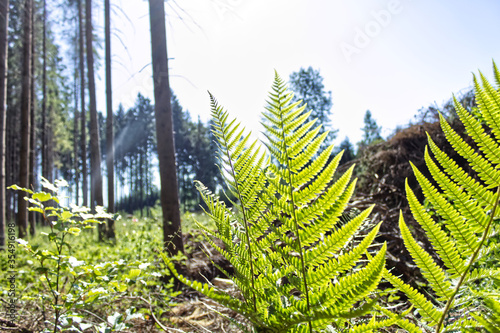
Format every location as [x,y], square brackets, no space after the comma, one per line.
[363,36]
[225,7]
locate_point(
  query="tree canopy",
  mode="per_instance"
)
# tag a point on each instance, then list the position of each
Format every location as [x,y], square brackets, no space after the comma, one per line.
[307,85]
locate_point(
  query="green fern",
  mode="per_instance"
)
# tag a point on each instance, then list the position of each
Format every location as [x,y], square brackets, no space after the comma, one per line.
[467,208]
[293,268]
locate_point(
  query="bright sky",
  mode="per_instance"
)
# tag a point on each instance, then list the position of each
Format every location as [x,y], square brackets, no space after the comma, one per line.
[389,56]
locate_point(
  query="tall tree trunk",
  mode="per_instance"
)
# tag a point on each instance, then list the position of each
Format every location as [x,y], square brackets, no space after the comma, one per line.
[46,128]
[95,149]
[76,117]
[22,212]
[172,233]
[83,119]
[45,170]
[4,24]
[12,145]
[110,151]
[141,184]
[32,153]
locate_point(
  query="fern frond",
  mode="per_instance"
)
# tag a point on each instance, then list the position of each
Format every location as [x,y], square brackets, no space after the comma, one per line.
[432,272]
[481,194]
[496,73]
[444,246]
[488,100]
[209,291]
[485,170]
[475,130]
[469,209]
[332,243]
[293,263]
[425,308]
[466,209]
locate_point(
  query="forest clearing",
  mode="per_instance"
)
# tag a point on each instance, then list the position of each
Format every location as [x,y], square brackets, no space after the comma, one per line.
[146,219]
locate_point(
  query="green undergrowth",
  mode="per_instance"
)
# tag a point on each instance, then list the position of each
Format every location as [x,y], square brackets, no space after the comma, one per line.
[65,276]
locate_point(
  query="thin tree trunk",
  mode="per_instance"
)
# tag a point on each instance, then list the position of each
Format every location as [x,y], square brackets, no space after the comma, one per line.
[4,24]
[141,173]
[32,154]
[172,233]
[45,170]
[22,215]
[47,135]
[46,128]
[83,119]
[11,159]
[95,151]
[110,151]
[76,117]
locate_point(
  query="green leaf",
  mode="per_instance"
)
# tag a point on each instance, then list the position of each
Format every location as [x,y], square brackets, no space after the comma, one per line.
[18,188]
[36,209]
[133,274]
[74,231]
[66,215]
[42,196]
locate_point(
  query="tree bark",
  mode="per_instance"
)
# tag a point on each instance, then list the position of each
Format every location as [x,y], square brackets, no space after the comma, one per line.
[95,149]
[76,117]
[32,152]
[172,233]
[22,212]
[110,151]
[4,23]
[83,119]
[44,93]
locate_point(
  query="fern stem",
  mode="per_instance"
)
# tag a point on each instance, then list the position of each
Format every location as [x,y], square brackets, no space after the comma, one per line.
[471,261]
[296,224]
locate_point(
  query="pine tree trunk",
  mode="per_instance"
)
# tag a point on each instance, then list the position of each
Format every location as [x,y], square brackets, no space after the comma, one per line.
[141,179]
[22,212]
[4,23]
[110,151]
[76,117]
[44,93]
[47,130]
[83,119]
[12,142]
[46,137]
[95,149]
[172,234]
[32,152]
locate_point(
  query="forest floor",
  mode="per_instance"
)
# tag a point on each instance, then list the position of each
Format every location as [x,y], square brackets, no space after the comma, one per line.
[180,309]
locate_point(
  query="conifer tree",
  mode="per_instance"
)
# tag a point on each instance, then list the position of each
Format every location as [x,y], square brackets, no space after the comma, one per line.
[172,233]
[307,85]
[371,131]
[22,216]
[4,24]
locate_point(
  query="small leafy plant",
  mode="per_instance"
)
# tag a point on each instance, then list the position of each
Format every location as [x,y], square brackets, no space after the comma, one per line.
[70,284]
[296,267]
[465,230]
